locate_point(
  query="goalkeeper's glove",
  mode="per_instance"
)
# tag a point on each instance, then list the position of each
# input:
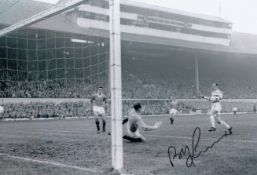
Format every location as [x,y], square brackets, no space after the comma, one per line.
[157,125]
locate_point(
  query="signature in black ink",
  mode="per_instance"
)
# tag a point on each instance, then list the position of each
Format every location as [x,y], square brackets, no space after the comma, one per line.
[192,154]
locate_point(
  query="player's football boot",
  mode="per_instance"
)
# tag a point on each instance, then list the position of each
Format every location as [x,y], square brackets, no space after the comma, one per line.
[230,130]
[98,132]
[212,129]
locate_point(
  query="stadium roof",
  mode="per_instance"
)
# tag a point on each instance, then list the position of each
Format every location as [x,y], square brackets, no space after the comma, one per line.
[176,11]
[12,11]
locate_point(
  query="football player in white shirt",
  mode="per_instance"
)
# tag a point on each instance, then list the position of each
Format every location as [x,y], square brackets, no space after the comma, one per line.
[173,110]
[98,102]
[215,98]
[135,122]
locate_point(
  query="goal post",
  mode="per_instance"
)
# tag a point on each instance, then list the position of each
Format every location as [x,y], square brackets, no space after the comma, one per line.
[115,83]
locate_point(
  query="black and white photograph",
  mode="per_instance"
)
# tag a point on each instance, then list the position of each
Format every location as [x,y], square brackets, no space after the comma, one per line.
[128,87]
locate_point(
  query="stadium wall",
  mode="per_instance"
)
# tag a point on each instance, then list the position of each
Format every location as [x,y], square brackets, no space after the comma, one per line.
[42,100]
[38,108]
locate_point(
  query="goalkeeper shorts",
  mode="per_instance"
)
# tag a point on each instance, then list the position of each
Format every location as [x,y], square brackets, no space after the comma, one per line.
[134,134]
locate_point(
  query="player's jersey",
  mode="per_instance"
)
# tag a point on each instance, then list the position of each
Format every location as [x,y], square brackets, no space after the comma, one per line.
[174,104]
[99,100]
[216,96]
[134,119]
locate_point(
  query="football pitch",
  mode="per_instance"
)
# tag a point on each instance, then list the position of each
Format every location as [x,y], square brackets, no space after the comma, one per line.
[72,147]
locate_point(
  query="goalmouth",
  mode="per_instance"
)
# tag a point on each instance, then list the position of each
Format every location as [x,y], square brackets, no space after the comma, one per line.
[115,66]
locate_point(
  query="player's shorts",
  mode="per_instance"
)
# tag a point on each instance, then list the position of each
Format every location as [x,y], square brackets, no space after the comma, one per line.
[215,108]
[173,111]
[98,110]
[135,134]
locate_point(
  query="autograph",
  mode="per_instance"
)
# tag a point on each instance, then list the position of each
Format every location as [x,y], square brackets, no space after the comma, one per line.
[192,154]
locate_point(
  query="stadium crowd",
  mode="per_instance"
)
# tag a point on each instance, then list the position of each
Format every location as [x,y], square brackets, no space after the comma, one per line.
[46,110]
[32,110]
[134,89]
[142,90]
[50,89]
[135,86]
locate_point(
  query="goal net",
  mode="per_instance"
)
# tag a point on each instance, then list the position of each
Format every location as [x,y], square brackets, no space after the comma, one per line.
[49,63]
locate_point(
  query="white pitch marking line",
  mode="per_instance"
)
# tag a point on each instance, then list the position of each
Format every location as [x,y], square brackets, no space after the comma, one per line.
[50,163]
[190,138]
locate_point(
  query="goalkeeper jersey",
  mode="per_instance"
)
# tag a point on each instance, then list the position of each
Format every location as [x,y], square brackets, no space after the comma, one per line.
[134,119]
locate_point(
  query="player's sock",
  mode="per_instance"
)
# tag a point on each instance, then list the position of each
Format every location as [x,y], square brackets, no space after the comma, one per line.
[212,119]
[104,124]
[225,124]
[97,126]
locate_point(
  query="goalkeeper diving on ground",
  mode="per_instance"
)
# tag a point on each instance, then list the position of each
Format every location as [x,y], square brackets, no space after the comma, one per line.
[135,122]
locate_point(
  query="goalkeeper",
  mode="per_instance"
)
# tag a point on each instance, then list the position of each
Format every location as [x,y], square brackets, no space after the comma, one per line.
[215,99]
[135,122]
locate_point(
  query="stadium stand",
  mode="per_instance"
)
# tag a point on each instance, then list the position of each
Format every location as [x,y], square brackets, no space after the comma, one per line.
[41,61]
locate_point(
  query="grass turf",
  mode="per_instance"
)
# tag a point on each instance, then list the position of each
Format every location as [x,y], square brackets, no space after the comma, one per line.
[72,147]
